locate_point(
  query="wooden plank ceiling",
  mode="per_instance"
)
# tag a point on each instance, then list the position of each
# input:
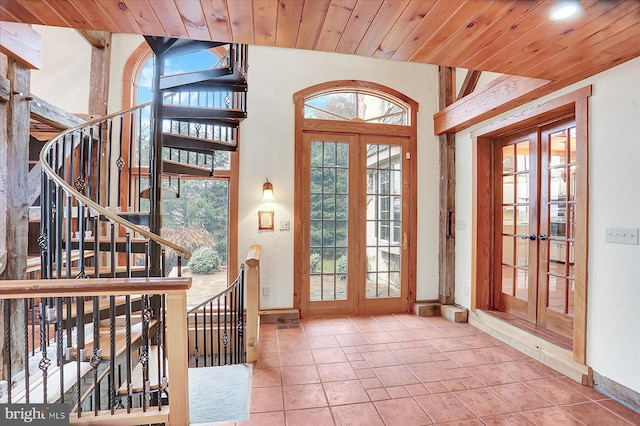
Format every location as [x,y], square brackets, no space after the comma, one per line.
[504,36]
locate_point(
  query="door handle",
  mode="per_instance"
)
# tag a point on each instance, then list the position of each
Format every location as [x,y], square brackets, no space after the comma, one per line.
[543,237]
[531,237]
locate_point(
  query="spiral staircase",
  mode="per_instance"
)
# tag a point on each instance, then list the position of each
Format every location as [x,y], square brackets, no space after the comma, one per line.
[102,186]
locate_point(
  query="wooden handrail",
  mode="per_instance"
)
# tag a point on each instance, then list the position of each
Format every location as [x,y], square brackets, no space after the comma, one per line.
[19,289]
[46,168]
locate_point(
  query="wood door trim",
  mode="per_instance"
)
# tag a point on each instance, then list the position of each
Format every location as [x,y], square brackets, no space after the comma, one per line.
[482,230]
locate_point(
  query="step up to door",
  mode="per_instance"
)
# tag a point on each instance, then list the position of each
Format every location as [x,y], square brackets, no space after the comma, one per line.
[176,168]
[197,113]
[194,144]
[167,194]
[137,218]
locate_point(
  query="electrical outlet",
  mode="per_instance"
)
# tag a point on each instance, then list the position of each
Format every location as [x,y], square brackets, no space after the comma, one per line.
[622,235]
[265,291]
[285,225]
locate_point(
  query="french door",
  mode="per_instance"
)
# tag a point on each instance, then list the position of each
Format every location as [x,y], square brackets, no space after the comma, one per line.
[535,199]
[354,215]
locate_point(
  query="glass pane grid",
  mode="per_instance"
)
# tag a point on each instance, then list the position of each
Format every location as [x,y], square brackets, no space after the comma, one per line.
[328,226]
[384,221]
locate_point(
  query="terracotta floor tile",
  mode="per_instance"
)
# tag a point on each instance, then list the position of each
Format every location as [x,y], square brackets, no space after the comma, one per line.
[344,329]
[524,370]
[417,389]
[266,399]
[368,326]
[365,348]
[268,345]
[621,410]
[379,337]
[365,373]
[300,375]
[405,335]
[293,344]
[397,391]
[345,392]
[593,414]
[435,387]
[552,416]
[393,346]
[520,396]
[483,402]
[429,372]
[291,358]
[318,342]
[381,346]
[328,355]
[453,384]
[584,390]
[313,322]
[409,345]
[354,356]
[511,419]
[448,364]
[303,396]
[378,394]
[555,391]
[318,331]
[471,383]
[470,422]
[275,418]
[394,325]
[491,374]
[360,365]
[395,375]
[456,330]
[356,415]
[263,377]
[336,371]
[309,417]
[444,407]
[475,342]
[459,372]
[402,412]
[501,354]
[412,355]
[371,383]
[268,331]
[448,344]
[381,358]
[268,360]
[467,358]
[290,333]
[350,349]
[431,333]
[351,339]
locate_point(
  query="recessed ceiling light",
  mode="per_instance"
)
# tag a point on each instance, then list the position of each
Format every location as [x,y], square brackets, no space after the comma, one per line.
[563,11]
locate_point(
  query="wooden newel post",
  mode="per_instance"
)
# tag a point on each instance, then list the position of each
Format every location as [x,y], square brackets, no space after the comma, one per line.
[178,358]
[253,301]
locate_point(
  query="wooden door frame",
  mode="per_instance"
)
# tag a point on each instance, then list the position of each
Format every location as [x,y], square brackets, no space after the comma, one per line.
[302,125]
[576,104]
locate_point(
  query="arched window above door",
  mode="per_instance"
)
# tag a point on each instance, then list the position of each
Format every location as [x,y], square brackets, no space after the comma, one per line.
[346,104]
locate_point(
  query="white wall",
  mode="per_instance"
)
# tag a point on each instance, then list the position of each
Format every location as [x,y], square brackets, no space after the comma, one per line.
[63,79]
[613,316]
[267,150]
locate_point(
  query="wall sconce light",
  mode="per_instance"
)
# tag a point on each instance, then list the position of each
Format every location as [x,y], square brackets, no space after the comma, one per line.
[267,191]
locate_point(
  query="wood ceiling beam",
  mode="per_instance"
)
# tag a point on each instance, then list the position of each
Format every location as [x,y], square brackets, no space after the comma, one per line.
[22,43]
[469,84]
[95,38]
[503,94]
[47,113]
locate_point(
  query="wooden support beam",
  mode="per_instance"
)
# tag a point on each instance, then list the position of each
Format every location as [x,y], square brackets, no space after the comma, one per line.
[14,166]
[98,39]
[47,113]
[469,84]
[5,89]
[447,198]
[503,94]
[22,43]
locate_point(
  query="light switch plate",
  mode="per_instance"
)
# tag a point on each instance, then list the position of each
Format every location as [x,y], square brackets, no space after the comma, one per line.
[285,225]
[622,235]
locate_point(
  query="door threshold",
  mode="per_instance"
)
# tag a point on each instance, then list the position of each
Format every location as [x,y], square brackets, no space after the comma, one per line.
[550,354]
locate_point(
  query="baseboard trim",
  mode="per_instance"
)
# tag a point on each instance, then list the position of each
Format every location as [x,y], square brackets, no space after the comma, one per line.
[615,390]
[546,352]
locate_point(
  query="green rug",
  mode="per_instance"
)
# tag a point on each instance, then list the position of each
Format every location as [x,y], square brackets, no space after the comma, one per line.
[219,394]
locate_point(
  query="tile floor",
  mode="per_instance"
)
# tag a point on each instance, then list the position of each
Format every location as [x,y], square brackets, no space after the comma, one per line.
[406,370]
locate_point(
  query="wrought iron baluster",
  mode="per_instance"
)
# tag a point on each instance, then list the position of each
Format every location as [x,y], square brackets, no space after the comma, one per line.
[81,351]
[27,303]
[112,351]
[196,350]
[96,358]
[128,373]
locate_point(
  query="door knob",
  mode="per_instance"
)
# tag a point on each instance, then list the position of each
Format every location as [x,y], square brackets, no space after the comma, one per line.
[531,237]
[543,237]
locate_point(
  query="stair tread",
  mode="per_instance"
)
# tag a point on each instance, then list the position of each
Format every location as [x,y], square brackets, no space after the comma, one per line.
[36,384]
[176,168]
[137,382]
[167,193]
[195,144]
[33,262]
[103,304]
[120,340]
[103,270]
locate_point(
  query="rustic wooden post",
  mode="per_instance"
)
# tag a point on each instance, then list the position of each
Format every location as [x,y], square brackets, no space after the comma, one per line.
[446,258]
[177,355]
[14,209]
[253,299]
